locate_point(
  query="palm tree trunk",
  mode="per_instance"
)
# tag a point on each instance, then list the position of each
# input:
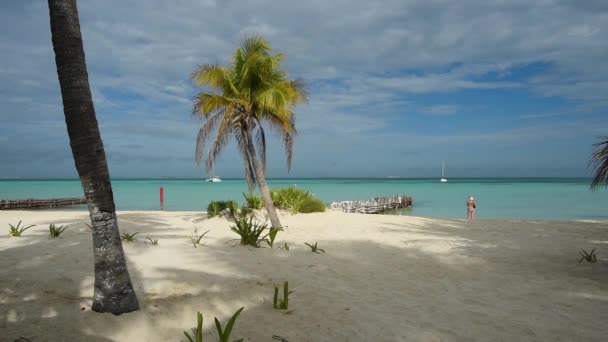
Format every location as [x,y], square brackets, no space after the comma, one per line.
[261,180]
[113,291]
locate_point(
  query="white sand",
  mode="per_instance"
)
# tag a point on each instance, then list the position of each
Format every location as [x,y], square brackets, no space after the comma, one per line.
[383,278]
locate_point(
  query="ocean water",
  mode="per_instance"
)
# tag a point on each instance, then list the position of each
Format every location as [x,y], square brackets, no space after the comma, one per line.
[517,198]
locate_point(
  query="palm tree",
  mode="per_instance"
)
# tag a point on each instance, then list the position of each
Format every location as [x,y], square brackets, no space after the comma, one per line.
[599,160]
[253,90]
[113,291]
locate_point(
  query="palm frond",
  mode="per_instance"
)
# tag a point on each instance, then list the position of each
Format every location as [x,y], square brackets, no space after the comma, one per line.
[216,77]
[222,138]
[599,160]
[261,144]
[204,134]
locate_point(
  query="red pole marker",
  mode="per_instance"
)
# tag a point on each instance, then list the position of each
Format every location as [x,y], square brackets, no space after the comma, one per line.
[162,198]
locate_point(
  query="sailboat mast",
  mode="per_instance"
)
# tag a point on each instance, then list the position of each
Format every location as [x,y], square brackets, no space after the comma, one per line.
[442,169]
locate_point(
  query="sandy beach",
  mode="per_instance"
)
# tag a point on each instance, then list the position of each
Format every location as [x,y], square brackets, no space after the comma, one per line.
[382,278]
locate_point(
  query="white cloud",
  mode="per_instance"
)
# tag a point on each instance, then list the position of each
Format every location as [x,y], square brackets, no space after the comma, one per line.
[365,60]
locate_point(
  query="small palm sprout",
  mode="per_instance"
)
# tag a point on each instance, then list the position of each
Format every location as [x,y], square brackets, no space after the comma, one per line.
[128,237]
[590,257]
[195,238]
[314,248]
[18,229]
[55,231]
[152,241]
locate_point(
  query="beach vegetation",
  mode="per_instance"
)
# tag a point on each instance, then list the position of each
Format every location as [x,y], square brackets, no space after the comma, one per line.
[252,92]
[17,230]
[224,334]
[195,238]
[312,205]
[198,331]
[152,241]
[217,207]
[253,201]
[599,160]
[285,246]
[278,303]
[296,200]
[314,248]
[128,237]
[250,232]
[588,256]
[272,234]
[55,231]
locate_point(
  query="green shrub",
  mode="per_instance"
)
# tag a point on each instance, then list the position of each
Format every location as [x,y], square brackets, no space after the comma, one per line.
[253,201]
[55,231]
[128,237]
[18,229]
[312,205]
[216,207]
[296,200]
[249,231]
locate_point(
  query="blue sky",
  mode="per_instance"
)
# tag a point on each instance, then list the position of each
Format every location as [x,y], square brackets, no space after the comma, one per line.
[494,88]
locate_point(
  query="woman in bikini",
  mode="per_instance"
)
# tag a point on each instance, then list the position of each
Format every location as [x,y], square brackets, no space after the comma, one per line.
[471,208]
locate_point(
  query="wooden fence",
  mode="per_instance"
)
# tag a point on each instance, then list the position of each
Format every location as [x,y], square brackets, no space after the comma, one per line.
[373,206]
[32,203]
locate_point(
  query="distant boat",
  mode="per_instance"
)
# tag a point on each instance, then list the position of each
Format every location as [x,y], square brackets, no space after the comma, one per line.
[213,179]
[443,179]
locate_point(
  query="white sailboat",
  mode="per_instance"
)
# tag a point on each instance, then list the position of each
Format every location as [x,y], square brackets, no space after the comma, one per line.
[443,179]
[213,179]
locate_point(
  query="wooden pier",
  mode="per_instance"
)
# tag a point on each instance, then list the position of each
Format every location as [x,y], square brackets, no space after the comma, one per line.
[373,206]
[32,203]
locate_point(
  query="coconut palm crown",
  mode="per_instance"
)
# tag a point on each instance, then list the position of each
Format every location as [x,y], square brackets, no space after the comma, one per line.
[599,160]
[253,91]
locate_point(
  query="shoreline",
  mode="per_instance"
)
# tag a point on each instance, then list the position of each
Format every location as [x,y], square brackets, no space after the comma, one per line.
[202,212]
[381,278]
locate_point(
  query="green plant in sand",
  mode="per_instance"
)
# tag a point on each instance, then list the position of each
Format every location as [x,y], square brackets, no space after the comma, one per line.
[281,304]
[18,229]
[224,334]
[55,231]
[195,238]
[128,237]
[250,232]
[152,241]
[314,248]
[588,256]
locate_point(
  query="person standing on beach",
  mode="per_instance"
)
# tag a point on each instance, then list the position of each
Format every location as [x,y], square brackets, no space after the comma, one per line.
[471,208]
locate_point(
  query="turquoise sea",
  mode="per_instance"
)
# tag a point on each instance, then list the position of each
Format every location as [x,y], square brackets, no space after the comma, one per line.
[519,198]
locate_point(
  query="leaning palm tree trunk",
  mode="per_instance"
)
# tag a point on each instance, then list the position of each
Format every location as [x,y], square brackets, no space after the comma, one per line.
[261,180]
[113,290]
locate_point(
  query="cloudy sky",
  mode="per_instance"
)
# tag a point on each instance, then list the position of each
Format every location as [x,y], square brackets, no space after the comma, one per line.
[494,88]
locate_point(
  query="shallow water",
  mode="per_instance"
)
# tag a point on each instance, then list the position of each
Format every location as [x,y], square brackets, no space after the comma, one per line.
[536,198]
